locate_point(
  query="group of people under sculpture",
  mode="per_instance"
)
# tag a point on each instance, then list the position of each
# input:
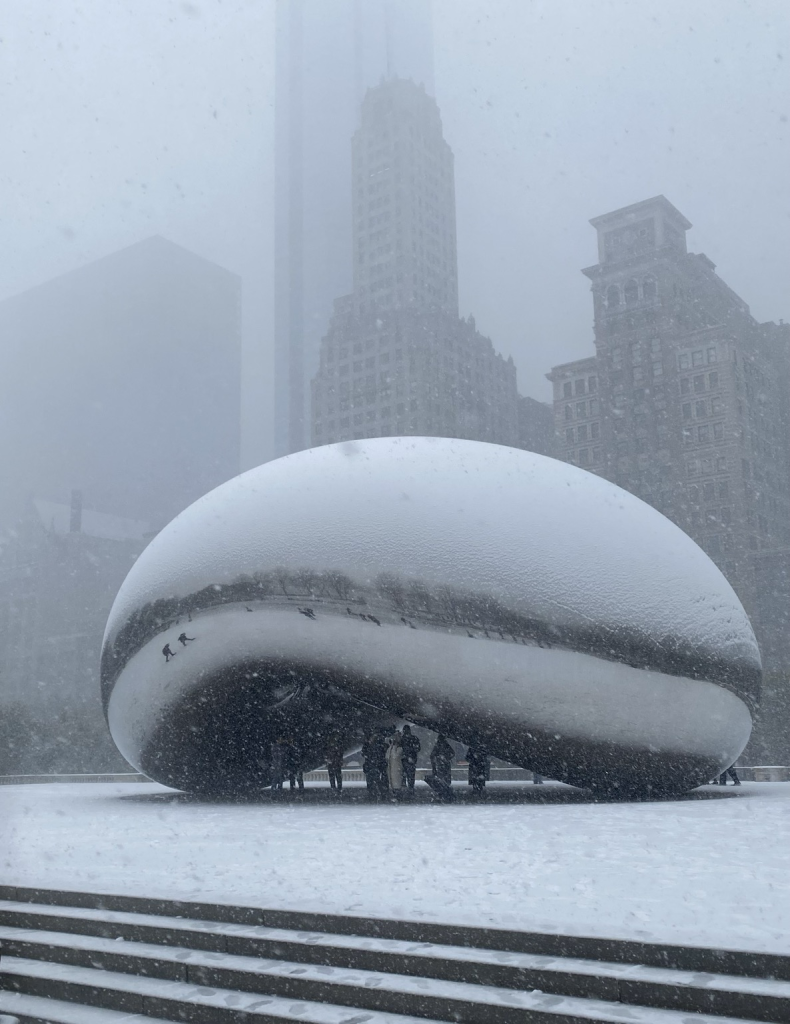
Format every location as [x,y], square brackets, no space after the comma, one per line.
[389,764]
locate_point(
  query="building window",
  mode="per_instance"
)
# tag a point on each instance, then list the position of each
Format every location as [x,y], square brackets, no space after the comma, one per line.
[711,353]
[568,412]
[700,410]
[713,379]
[612,296]
[693,493]
[567,389]
[716,407]
[686,407]
[658,369]
[584,456]
[569,435]
[688,435]
[718,431]
[685,386]
[683,361]
[699,384]
[697,358]
[581,410]
[649,288]
[724,490]
[593,406]
[581,386]
[708,492]
[596,452]
[595,429]
[592,384]
[582,432]
[631,292]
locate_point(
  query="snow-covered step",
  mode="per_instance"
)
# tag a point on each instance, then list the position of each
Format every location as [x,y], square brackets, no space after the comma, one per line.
[689,958]
[760,999]
[157,998]
[15,1006]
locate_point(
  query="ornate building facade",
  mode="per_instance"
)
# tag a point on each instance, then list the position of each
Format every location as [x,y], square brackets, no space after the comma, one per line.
[397,358]
[686,404]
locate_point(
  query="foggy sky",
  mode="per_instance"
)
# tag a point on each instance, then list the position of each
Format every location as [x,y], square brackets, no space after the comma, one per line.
[120,120]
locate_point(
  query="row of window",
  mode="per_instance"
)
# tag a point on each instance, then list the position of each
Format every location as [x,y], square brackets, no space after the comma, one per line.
[585,456]
[580,386]
[631,292]
[709,491]
[701,409]
[707,466]
[582,433]
[700,383]
[704,433]
[698,357]
[583,409]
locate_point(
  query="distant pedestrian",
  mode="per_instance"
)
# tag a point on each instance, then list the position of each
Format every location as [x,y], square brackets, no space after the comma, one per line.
[441,778]
[395,763]
[168,653]
[277,765]
[334,763]
[479,766]
[537,780]
[184,639]
[410,748]
[733,775]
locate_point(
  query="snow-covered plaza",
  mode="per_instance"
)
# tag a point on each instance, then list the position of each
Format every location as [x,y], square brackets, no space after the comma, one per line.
[709,869]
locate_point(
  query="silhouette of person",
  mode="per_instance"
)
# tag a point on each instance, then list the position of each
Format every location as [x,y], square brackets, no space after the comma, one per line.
[733,775]
[479,766]
[278,765]
[334,763]
[184,638]
[441,778]
[410,748]
[168,653]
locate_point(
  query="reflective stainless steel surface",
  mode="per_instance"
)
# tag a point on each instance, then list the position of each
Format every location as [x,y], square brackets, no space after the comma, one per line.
[464,586]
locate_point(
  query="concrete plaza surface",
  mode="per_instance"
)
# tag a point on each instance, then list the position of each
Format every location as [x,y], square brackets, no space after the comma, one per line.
[709,869]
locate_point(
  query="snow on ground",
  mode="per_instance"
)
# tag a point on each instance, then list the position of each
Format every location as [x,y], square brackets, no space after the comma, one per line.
[708,869]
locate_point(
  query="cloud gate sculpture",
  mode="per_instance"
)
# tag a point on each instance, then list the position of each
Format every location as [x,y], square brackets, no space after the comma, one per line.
[481,590]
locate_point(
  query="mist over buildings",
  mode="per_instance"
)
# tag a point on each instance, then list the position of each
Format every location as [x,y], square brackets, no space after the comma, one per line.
[193,246]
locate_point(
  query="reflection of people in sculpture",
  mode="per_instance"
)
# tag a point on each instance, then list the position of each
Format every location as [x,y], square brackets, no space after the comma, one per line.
[168,653]
[479,766]
[334,763]
[441,778]
[184,639]
[394,763]
[410,748]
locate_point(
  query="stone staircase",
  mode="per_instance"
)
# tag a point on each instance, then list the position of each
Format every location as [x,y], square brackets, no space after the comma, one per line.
[82,958]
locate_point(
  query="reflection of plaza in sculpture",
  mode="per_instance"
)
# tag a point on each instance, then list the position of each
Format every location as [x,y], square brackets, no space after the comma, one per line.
[480,590]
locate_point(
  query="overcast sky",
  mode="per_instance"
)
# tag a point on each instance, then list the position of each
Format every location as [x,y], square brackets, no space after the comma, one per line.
[120,120]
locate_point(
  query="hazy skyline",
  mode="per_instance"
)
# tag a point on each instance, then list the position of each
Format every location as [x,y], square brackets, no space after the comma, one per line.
[122,121]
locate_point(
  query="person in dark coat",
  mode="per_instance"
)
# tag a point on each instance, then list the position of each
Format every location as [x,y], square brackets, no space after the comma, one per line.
[368,767]
[293,765]
[479,766]
[441,778]
[379,756]
[277,765]
[410,748]
[334,763]
[184,639]
[733,775]
[168,653]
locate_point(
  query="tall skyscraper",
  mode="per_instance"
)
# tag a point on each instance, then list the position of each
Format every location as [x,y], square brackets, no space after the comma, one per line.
[397,359]
[328,53]
[686,404]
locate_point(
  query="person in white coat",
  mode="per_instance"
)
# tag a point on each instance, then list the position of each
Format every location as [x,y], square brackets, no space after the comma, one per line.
[394,763]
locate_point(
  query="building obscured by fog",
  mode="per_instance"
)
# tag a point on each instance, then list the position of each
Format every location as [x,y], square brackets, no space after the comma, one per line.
[686,403]
[328,54]
[397,358]
[60,568]
[121,379]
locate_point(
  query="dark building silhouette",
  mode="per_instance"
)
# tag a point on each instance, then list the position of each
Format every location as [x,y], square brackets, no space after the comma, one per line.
[122,378]
[686,403]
